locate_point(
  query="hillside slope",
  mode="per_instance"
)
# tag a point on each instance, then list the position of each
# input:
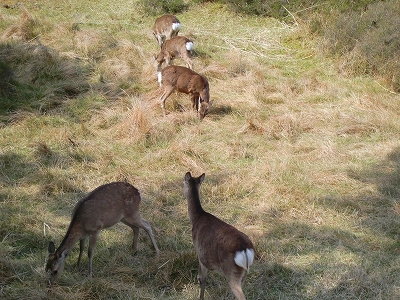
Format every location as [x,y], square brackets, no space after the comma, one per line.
[302,159]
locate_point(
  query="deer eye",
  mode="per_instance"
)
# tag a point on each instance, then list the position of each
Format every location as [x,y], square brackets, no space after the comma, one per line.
[55,272]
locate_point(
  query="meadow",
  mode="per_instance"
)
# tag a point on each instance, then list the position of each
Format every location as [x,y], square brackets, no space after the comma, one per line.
[303,158]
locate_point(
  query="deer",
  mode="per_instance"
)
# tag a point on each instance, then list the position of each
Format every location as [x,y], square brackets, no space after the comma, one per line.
[219,246]
[184,80]
[175,47]
[102,208]
[165,28]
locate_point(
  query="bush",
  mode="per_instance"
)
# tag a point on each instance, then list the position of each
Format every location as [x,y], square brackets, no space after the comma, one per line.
[367,43]
[255,7]
[159,7]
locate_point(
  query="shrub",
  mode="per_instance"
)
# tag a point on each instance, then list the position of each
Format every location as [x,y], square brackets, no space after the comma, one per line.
[158,7]
[367,43]
[256,7]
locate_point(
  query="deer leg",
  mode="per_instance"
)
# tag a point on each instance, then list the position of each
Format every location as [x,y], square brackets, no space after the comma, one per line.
[135,234]
[235,280]
[168,60]
[237,289]
[146,226]
[92,243]
[202,279]
[193,99]
[82,243]
[188,61]
[243,278]
[167,92]
[189,64]
[160,39]
[135,238]
[135,225]
[169,34]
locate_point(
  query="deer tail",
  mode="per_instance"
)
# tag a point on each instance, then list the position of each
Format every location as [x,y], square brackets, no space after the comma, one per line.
[244,258]
[189,46]
[176,26]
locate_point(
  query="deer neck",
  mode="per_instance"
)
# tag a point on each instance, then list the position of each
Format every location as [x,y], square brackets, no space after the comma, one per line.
[73,235]
[194,206]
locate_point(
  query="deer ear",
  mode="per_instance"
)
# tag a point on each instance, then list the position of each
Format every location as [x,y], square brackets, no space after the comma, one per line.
[201,178]
[188,176]
[51,248]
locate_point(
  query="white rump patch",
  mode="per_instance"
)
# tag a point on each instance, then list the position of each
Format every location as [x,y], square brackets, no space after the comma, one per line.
[189,46]
[244,258]
[159,75]
[176,26]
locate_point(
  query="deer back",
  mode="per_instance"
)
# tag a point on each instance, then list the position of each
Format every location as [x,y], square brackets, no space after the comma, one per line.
[186,81]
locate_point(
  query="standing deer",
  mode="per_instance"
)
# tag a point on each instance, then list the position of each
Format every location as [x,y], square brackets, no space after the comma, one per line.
[219,246]
[166,27]
[175,47]
[186,81]
[102,208]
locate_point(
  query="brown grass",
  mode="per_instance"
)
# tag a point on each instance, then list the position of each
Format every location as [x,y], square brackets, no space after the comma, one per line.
[301,158]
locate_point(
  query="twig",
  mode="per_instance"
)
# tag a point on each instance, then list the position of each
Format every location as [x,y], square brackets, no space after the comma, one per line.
[163,264]
[44,228]
[295,21]
[310,7]
[386,89]
[72,142]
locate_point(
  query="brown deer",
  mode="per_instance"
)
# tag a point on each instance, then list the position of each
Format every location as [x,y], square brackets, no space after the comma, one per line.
[166,27]
[219,246]
[186,81]
[102,208]
[175,47]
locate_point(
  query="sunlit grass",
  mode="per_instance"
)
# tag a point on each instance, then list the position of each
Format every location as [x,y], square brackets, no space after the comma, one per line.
[304,161]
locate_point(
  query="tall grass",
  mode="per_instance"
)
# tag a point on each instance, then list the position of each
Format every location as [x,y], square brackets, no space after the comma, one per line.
[301,158]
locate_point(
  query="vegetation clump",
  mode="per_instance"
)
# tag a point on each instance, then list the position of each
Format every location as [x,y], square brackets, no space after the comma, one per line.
[367,42]
[159,7]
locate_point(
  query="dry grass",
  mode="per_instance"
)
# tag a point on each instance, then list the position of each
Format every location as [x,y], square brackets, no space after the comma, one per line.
[306,162]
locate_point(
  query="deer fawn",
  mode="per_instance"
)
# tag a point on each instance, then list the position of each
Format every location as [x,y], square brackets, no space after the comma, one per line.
[186,81]
[219,246]
[102,208]
[165,28]
[175,47]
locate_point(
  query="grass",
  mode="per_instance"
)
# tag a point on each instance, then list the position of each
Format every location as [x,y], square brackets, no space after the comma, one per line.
[302,159]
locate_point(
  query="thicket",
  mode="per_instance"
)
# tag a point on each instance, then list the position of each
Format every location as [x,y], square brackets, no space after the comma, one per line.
[367,41]
[158,7]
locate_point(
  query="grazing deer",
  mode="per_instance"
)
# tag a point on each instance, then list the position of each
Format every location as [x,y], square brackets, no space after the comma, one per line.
[175,47]
[186,81]
[165,28]
[219,246]
[102,208]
